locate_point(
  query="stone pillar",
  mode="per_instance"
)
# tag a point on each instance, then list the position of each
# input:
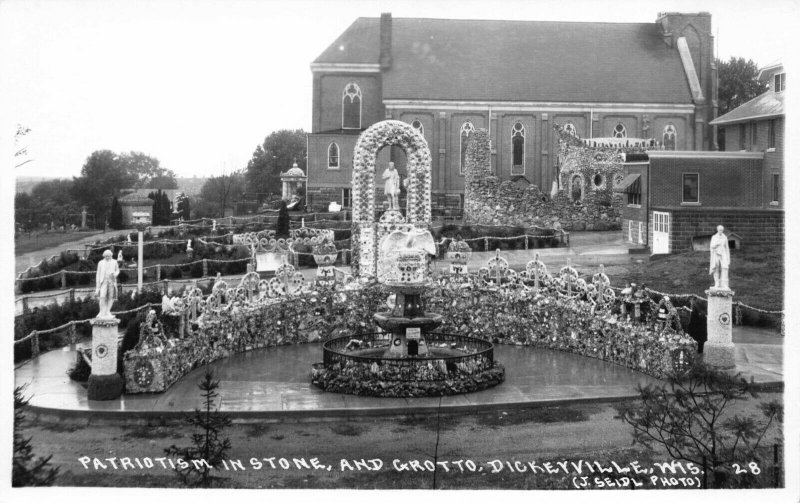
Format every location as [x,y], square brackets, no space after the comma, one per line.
[141,261]
[719,350]
[441,142]
[205,267]
[543,174]
[104,382]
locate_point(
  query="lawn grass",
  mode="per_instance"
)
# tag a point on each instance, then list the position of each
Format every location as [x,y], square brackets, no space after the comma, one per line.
[40,241]
[756,275]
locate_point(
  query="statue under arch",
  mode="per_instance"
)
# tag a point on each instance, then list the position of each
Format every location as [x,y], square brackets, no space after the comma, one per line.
[367,233]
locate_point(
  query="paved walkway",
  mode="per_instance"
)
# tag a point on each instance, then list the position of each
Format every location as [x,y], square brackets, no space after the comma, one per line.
[275,383]
[25,260]
[587,250]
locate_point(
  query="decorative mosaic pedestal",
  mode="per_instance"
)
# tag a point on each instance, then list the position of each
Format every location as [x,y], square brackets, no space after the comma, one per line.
[719,350]
[104,382]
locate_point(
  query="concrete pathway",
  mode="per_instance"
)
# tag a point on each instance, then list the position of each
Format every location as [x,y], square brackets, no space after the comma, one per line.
[25,260]
[275,382]
[587,250]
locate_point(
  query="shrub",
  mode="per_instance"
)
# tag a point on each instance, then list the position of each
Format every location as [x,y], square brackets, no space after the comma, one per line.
[175,273]
[81,370]
[282,226]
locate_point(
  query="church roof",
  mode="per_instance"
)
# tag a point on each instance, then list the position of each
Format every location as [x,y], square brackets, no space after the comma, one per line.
[487,60]
[763,106]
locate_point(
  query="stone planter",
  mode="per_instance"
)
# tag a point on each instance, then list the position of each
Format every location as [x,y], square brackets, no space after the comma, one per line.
[325,258]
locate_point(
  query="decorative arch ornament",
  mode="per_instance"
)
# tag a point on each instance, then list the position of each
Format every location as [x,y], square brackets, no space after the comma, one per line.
[418,186]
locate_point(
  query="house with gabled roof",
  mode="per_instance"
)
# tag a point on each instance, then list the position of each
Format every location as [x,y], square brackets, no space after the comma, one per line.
[449,77]
[758,126]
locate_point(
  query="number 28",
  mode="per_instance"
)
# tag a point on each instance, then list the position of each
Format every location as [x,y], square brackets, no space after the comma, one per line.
[753,466]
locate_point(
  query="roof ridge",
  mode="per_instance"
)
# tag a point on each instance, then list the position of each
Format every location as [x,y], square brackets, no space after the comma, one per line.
[508,20]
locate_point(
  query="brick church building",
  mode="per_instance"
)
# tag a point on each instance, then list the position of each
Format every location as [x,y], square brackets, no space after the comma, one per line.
[448,77]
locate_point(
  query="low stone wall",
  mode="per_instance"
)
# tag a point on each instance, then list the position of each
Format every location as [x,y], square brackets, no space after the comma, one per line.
[502,315]
[489,201]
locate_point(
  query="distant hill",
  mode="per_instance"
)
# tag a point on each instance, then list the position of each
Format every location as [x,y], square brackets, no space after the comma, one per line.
[26,183]
[188,185]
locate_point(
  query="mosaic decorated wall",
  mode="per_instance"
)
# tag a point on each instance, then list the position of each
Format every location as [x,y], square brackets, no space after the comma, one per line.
[198,330]
[585,200]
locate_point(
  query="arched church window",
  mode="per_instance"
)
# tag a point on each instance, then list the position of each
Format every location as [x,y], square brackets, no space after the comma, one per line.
[570,128]
[670,135]
[620,131]
[518,149]
[466,130]
[333,156]
[416,124]
[351,106]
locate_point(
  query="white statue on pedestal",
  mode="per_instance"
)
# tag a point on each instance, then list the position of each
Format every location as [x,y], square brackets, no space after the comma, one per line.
[392,186]
[120,257]
[106,284]
[720,258]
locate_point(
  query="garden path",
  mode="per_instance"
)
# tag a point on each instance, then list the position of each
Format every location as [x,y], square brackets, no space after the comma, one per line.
[276,382]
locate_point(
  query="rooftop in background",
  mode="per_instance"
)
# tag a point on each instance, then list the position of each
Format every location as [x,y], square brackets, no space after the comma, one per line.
[764,106]
[447,59]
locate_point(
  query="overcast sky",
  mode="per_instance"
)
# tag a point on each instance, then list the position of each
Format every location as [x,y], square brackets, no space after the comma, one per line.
[199,84]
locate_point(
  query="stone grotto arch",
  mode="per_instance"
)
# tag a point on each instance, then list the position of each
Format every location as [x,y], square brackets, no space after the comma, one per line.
[366,231]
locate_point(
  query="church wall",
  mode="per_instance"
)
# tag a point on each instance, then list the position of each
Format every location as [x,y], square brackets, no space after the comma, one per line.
[502,143]
[331,89]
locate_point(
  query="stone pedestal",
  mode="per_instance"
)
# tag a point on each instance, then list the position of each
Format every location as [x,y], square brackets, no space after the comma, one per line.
[104,382]
[719,350]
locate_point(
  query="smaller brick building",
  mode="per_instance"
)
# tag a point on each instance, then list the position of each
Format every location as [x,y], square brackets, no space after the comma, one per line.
[136,208]
[757,126]
[670,198]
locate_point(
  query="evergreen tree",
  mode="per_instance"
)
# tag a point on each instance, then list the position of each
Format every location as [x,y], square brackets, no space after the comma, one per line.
[166,211]
[208,447]
[282,227]
[115,222]
[185,209]
[26,470]
[156,204]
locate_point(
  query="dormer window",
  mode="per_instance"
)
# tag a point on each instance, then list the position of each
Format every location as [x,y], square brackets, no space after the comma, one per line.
[780,82]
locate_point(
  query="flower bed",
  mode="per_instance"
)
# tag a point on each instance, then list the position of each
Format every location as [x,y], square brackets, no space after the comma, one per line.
[359,380]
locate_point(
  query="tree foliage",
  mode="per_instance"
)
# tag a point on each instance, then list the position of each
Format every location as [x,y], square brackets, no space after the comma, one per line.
[115,220]
[738,83]
[282,225]
[276,154]
[218,193]
[105,174]
[690,418]
[49,201]
[182,206]
[26,469]
[208,447]
[147,171]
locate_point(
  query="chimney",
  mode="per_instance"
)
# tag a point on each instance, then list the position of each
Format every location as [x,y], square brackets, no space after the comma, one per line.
[386,41]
